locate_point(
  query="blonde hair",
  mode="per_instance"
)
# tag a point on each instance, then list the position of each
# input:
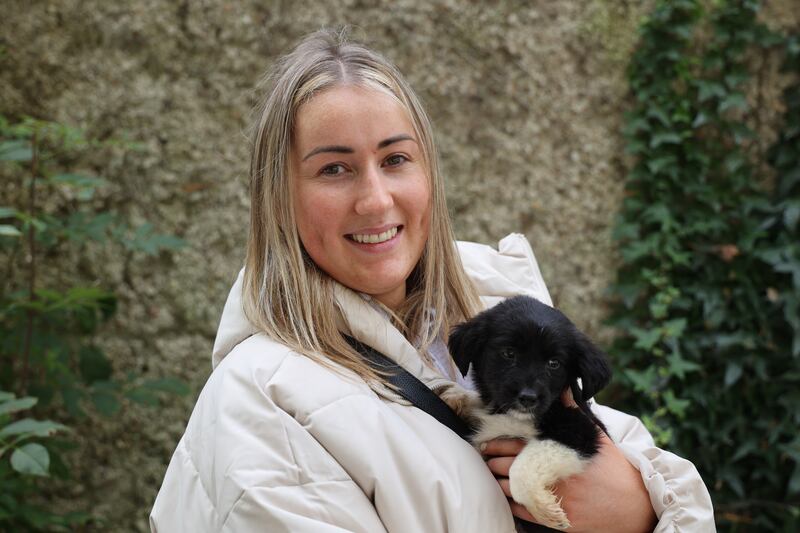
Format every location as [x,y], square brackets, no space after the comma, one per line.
[285,294]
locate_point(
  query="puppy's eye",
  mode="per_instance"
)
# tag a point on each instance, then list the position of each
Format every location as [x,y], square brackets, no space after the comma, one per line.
[553,364]
[508,353]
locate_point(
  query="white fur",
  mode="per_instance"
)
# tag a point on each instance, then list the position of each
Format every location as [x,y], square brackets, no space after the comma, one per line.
[534,472]
[514,424]
[539,465]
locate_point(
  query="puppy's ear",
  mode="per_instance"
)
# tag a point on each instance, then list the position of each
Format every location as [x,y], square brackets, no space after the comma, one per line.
[466,343]
[592,368]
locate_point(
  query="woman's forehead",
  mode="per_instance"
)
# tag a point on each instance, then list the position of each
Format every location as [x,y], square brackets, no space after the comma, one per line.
[351,115]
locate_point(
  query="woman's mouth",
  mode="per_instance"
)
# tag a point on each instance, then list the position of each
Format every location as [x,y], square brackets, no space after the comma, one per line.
[375,238]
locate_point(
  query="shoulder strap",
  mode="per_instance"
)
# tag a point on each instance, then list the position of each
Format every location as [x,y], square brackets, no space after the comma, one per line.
[412,389]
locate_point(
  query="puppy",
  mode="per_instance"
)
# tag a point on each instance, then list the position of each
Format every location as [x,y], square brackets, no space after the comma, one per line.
[523,355]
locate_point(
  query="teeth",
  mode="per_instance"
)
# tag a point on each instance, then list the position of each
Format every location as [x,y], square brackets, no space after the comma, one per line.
[375,237]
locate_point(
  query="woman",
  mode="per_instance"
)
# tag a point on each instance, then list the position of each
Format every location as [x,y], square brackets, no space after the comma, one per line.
[349,233]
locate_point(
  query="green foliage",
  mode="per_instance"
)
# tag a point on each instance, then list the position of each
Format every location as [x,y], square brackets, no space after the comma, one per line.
[707,299]
[48,350]
[22,459]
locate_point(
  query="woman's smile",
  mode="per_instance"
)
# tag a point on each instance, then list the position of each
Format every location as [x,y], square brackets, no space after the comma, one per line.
[376,236]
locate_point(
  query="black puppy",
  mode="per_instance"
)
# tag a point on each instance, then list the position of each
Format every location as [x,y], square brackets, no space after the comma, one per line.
[523,355]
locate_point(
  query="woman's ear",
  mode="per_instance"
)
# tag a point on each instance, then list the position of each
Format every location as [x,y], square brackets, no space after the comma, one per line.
[593,368]
[465,343]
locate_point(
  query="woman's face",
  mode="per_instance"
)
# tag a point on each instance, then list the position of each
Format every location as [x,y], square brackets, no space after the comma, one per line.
[360,188]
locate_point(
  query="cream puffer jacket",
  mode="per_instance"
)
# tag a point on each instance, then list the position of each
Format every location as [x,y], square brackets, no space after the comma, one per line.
[278,443]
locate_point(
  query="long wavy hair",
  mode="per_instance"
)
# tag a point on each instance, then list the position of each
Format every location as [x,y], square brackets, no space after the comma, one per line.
[285,294]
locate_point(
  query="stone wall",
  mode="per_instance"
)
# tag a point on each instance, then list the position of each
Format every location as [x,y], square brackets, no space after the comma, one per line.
[526,97]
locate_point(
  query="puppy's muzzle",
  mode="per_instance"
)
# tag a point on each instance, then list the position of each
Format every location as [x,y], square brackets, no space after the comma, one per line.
[529,398]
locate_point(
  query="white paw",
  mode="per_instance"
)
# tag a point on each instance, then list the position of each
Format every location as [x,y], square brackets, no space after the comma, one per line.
[534,472]
[540,502]
[462,401]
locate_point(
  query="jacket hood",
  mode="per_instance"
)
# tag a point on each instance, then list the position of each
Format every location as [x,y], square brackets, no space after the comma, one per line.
[233,325]
[497,274]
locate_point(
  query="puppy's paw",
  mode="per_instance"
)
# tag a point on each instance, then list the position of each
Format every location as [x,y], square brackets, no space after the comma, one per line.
[534,472]
[542,504]
[463,402]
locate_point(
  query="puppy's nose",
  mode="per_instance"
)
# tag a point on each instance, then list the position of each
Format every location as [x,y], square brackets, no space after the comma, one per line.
[528,397]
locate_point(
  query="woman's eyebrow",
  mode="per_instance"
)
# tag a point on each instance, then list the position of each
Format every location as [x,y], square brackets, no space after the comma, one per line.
[339,149]
[397,138]
[335,149]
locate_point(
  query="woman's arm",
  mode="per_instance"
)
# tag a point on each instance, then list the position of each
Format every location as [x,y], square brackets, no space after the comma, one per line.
[609,496]
[677,492]
[627,485]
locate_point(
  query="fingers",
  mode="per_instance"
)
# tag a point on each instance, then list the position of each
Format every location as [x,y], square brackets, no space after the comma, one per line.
[500,466]
[505,485]
[496,447]
[567,399]
[501,453]
[520,512]
[516,509]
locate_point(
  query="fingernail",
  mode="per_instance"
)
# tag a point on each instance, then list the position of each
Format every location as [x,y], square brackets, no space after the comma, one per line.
[482,446]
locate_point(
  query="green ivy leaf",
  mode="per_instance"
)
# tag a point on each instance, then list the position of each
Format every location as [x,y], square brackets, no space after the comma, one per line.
[791,215]
[794,480]
[700,120]
[643,381]
[675,405]
[733,101]
[733,372]
[72,401]
[13,406]
[710,89]
[674,328]
[31,459]
[679,367]
[658,164]
[142,396]
[85,185]
[665,138]
[167,385]
[9,231]
[105,402]
[660,115]
[147,241]
[32,428]
[734,482]
[734,161]
[93,364]
[646,339]
[16,150]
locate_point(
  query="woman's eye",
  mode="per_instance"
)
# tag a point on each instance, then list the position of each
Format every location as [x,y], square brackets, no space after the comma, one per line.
[553,364]
[332,170]
[508,353]
[396,160]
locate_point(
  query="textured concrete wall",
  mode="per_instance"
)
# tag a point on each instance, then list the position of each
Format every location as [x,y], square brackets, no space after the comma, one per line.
[526,98]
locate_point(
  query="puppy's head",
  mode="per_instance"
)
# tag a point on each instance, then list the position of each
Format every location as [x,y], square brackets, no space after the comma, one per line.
[524,353]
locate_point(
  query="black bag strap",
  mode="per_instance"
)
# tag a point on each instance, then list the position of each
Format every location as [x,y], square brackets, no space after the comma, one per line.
[412,389]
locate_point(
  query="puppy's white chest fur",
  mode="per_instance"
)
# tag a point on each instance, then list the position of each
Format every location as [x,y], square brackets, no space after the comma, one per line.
[513,424]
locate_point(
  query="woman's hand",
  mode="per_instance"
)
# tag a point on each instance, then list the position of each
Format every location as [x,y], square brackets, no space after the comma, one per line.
[609,496]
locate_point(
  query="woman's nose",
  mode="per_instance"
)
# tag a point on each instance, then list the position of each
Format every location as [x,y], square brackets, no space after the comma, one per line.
[374,195]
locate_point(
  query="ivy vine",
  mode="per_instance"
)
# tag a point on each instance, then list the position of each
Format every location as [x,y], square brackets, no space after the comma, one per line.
[707,299]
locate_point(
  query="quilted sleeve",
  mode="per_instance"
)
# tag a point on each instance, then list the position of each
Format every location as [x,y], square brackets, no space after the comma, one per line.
[246,465]
[280,504]
[679,496]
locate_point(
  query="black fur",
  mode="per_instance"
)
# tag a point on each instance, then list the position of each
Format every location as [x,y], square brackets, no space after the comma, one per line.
[523,355]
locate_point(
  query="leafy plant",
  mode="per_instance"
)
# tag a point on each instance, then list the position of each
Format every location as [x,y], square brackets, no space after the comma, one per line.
[28,459]
[49,320]
[706,299]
